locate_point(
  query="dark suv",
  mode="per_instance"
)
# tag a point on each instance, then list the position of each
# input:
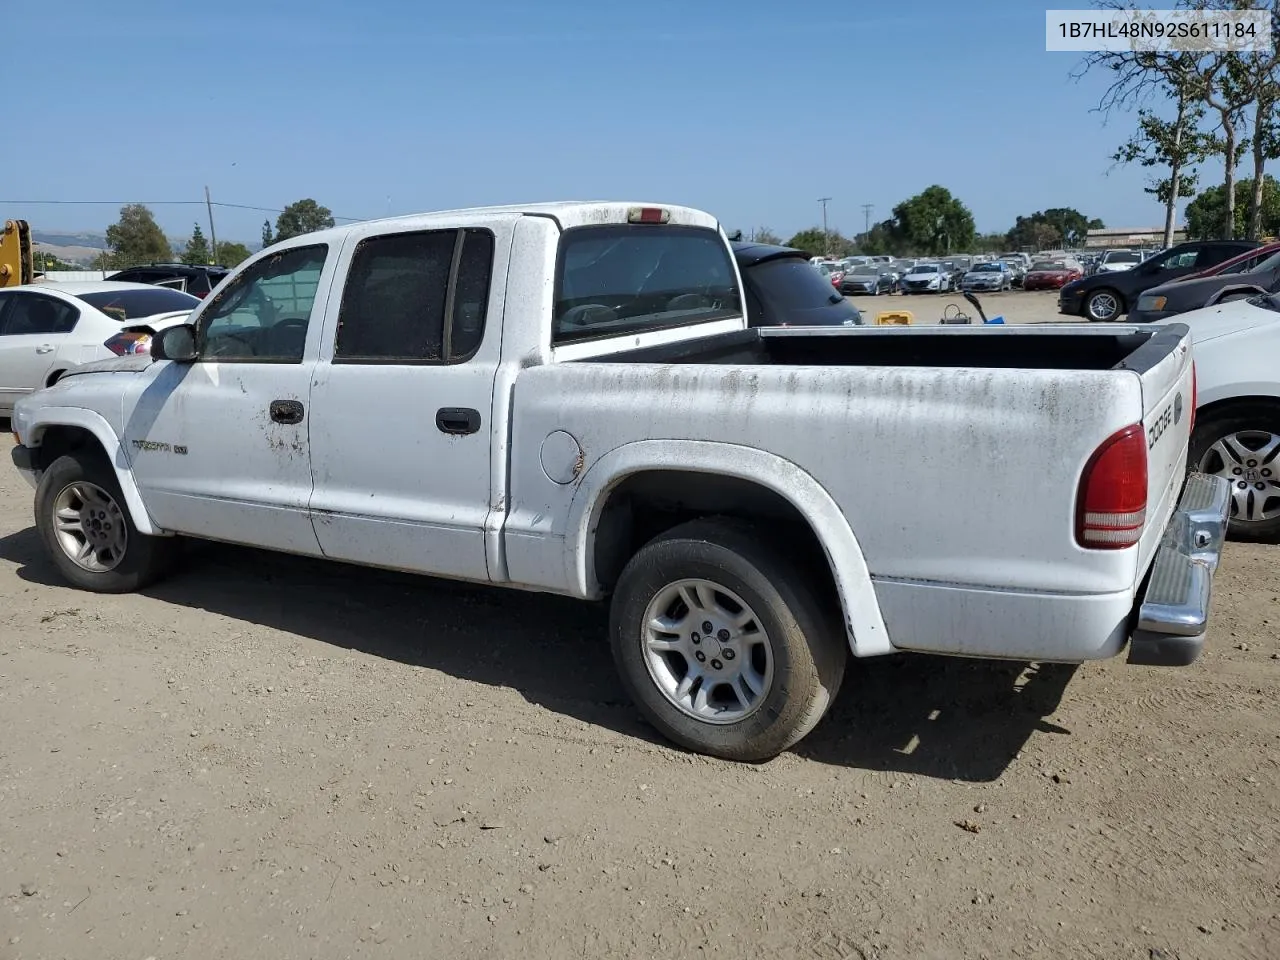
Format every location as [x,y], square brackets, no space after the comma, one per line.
[195,280]
[1105,296]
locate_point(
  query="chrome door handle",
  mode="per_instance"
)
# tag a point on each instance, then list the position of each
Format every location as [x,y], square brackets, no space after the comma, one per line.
[44,348]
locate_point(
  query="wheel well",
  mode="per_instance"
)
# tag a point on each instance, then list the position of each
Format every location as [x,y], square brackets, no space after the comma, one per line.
[54,377]
[649,503]
[56,442]
[1232,405]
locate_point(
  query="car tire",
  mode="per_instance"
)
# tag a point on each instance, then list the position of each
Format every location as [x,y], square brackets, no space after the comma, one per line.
[84,524]
[1220,446]
[1103,305]
[766,672]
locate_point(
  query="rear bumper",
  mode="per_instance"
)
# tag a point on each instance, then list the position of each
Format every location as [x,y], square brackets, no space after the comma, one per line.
[1173,612]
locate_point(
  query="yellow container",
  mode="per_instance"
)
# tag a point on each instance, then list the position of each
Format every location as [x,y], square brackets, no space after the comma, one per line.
[894,317]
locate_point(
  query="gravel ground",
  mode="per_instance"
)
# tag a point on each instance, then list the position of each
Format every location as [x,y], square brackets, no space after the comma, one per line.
[275,757]
[1017,306]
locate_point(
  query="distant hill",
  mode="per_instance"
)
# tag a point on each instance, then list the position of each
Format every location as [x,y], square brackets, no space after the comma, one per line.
[82,248]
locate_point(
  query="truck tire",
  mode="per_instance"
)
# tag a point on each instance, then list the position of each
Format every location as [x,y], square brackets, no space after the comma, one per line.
[86,529]
[1242,444]
[723,644]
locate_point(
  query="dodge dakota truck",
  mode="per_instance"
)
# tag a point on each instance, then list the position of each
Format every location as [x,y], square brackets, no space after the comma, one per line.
[570,398]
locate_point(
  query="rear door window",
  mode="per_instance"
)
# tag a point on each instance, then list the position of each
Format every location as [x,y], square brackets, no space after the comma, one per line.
[622,279]
[789,291]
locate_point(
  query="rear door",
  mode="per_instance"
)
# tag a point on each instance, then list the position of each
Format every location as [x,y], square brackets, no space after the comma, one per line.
[33,327]
[402,444]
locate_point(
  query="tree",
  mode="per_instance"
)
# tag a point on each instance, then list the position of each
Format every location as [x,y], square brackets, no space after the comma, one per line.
[44,262]
[933,222]
[1206,212]
[1050,228]
[197,251]
[879,240]
[137,238]
[302,216]
[816,243]
[1173,144]
[765,235]
[267,238]
[231,254]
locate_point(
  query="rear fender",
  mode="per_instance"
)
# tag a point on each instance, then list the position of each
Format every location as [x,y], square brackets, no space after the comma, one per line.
[34,427]
[863,621]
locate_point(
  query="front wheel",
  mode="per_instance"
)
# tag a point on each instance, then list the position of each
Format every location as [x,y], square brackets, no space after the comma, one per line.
[724,645]
[1242,445]
[86,529]
[1103,305]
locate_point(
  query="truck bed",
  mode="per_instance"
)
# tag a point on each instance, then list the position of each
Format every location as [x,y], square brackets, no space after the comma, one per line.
[1030,348]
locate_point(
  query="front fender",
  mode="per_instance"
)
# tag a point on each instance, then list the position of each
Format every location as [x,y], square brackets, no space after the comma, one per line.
[862,618]
[31,427]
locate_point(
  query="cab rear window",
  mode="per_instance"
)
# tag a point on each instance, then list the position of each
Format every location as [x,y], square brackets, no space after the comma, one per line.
[626,279]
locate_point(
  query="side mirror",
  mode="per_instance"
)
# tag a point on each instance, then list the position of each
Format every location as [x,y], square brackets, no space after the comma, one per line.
[175,343]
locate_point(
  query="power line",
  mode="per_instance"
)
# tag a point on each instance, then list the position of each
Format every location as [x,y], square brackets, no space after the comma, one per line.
[165,203]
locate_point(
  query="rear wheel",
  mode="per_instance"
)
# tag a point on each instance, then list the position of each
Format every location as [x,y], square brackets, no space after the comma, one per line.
[1242,445]
[724,645]
[86,529]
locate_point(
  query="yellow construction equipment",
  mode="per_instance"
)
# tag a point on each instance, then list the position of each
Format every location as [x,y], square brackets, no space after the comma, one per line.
[15,254]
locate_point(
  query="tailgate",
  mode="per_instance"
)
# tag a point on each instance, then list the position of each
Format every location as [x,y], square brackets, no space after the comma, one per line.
[1164,365]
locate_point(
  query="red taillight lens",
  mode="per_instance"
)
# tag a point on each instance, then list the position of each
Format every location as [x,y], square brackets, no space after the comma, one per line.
[126,344]
[1111,511]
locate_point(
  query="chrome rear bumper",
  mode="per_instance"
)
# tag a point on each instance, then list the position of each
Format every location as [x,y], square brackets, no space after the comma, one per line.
[1173,614]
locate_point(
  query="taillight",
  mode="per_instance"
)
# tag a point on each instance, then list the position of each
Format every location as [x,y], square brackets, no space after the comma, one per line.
[130,343]
[1111,511]
[1195,397]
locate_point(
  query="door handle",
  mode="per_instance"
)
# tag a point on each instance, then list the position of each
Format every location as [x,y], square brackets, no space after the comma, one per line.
[286,411]
[44,348]
[458,420]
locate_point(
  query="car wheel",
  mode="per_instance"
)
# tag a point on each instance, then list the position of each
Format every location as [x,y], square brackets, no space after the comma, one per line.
[1103,305]
[721,641]
[86,529]
[1242,445]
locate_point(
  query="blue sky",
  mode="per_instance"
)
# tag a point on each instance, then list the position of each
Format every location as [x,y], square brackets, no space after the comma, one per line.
[750,109]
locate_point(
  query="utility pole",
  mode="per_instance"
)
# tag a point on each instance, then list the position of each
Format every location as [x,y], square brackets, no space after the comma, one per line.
[213,234]
[866,217]
[826,234]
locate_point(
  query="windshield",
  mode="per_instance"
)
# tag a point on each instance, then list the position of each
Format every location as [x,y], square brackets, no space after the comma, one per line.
[125,305]
[1122,257]
[867,270]
[620,279]
[1044,266]
[987,268]
[787,291]
[925,268]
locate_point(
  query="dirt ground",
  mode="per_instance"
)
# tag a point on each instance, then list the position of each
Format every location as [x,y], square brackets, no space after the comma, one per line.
[1016,306]
[272,757]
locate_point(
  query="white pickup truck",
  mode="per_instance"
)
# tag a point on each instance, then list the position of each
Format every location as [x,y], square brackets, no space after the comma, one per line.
[568,398]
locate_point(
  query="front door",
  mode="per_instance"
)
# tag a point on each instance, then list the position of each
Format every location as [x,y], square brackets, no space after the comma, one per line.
[404,391]
[221,447]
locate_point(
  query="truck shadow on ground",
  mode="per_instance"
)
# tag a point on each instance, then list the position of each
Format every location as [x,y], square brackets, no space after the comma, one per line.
[937,717]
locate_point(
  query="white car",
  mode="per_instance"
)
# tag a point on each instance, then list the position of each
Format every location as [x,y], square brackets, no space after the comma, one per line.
[1114,261]
[1237,427]
[927,278]
[48,328]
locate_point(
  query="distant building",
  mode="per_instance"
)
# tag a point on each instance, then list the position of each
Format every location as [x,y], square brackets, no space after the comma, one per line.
[1131,237]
